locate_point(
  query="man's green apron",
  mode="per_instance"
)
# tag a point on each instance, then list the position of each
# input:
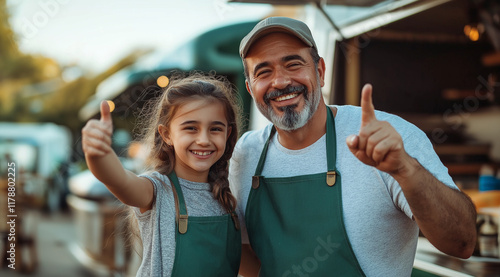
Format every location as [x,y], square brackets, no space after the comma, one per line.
[204,246]
[295,224]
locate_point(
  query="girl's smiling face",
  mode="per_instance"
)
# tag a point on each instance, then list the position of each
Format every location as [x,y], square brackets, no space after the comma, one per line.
[198,132]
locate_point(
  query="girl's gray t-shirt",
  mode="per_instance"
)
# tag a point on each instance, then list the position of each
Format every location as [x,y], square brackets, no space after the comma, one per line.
[157,226]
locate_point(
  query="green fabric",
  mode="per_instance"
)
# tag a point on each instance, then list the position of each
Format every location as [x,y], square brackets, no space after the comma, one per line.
[295,224]
[211,246]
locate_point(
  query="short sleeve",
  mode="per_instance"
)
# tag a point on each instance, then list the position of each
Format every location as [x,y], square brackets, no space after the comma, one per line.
[418,146]
[145,216]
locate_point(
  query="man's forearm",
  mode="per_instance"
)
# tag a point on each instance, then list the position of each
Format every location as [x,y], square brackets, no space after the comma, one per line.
[250,264]
[445,216]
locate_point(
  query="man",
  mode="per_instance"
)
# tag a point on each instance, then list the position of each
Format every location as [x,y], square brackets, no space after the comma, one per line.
[334,190]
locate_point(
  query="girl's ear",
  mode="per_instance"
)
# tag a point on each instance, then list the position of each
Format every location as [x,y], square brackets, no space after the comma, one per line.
[163,130]
[229,130]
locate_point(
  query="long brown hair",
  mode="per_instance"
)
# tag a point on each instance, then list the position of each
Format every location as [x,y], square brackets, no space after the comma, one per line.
[161,110]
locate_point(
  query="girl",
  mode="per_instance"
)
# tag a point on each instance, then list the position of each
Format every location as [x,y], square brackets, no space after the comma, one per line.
[184,207]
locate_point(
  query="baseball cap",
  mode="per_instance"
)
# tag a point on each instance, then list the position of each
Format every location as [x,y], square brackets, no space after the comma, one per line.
[277,24]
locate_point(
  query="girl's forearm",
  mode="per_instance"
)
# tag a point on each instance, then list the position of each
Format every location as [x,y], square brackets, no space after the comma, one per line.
[124,184]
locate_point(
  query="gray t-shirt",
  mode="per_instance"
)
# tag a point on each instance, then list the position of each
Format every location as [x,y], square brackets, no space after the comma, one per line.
[377,217]
[157,226]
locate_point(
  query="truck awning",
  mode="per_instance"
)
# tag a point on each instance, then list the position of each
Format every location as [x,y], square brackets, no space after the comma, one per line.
[351,18]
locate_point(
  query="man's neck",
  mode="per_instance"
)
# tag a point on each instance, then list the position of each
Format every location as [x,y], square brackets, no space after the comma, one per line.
[314,129]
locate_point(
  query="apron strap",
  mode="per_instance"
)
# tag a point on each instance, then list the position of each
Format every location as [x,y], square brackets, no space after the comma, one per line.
[331,152]
[262,159]
[331,148]
[181,216]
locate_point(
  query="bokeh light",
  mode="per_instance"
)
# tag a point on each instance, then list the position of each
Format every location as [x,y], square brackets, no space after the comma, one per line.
[473,32]
[162,81]
[111,105]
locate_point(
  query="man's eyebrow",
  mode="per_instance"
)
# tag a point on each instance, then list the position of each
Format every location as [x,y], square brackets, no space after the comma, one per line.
[284,59]
[259,66]
[293,57]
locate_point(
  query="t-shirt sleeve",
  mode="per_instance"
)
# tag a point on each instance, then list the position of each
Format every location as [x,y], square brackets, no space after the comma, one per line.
[145,216]
[236,184]
[242,166]
[417,145]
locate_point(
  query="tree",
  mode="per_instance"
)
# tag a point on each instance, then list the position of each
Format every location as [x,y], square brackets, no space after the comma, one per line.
[32,88]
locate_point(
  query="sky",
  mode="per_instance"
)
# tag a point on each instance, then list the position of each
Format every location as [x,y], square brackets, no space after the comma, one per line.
[95,34]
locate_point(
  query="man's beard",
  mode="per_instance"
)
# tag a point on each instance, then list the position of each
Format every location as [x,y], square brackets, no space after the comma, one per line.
[291,119]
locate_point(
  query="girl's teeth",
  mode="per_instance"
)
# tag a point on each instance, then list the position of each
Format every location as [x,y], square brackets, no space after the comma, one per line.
[286,97]
[202,153]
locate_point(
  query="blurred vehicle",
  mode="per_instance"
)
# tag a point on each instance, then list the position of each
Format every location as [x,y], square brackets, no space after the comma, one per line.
[102,244]
[100,219]
[41,153]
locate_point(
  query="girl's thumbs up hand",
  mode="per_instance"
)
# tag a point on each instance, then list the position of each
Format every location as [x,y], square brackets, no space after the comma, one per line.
[106,115]
[96,135]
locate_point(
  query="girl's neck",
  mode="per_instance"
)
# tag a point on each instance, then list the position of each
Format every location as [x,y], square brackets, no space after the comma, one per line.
[199,177]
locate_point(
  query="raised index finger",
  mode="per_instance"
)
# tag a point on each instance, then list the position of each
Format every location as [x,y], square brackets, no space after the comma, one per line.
[367,108]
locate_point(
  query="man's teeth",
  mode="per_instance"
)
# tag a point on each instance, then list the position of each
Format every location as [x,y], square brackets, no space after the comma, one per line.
[202,153]
[286,97]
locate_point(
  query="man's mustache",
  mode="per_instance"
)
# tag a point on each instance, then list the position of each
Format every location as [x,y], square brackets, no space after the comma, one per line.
[279,92]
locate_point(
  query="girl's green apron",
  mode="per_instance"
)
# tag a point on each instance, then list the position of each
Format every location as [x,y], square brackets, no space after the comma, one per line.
[295,224]
[204,246]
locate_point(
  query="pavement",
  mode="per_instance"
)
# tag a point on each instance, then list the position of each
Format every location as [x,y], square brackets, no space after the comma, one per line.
[55,235]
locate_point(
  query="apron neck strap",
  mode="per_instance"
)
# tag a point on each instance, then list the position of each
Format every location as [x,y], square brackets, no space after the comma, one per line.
[331,148]
[263,154]
[331,152]
[331,140]
[181,216]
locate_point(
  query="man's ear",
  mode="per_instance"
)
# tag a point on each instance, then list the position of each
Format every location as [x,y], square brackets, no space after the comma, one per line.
[248,88]
[321,71]
[163,130]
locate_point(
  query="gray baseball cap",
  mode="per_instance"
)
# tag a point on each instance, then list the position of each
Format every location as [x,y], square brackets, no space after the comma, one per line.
[277,24]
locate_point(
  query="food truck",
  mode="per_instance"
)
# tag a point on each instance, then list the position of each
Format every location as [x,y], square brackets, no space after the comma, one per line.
[41,153]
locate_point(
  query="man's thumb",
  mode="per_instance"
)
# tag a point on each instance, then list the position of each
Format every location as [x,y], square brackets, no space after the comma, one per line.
[105,112]
[352,142]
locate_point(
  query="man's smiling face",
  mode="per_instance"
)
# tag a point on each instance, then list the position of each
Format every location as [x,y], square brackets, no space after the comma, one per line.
[284,80]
